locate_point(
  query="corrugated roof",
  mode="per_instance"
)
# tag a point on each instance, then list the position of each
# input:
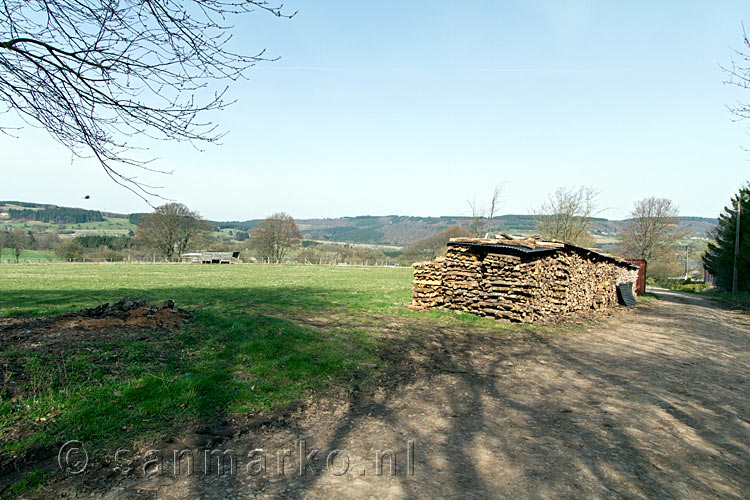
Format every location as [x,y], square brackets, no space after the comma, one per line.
[533,246]
[501,246]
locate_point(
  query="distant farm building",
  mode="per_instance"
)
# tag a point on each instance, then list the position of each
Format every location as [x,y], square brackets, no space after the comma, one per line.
[521,279]
[211,258]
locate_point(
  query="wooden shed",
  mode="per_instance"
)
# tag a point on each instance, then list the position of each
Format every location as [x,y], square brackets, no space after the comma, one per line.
[211,258]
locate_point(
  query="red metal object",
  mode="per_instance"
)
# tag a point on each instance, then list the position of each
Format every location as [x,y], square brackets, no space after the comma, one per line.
[640,285]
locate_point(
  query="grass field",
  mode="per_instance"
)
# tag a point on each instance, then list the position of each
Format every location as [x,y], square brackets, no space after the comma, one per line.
[8,256]
[245,349]
[43,289]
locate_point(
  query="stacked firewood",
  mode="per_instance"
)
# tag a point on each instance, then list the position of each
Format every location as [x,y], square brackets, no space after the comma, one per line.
[462,279]
[428,284]
[518,286]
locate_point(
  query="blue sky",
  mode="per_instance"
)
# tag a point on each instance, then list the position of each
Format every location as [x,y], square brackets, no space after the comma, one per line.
[412,108]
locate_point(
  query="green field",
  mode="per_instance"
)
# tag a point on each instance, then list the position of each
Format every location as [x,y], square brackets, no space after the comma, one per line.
[26,256]
[54,288]
[248,348]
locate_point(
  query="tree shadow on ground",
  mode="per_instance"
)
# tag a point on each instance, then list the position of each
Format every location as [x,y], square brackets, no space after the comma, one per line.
[532,415]
[650,407]
[153,384]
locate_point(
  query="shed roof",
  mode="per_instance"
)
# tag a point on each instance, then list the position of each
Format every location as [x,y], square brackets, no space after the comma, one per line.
[235,254]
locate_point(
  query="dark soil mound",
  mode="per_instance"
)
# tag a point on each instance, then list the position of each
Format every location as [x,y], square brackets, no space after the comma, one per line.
[97,322]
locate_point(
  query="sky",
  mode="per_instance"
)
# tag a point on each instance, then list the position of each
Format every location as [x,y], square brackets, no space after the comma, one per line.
[413,108]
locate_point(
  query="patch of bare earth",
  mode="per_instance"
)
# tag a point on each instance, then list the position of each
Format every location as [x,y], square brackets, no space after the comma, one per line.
[126,319]
[97,323]
[648,404]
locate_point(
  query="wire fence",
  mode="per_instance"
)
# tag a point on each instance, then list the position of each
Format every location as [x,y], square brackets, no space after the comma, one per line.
[321,262]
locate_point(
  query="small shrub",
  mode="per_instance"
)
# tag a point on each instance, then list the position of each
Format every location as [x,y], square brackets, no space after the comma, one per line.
[691,287]
[104,253]
[70,250]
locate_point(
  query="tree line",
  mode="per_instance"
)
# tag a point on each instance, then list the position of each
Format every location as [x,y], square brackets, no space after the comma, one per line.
[97,241]
[651,233]
[96,247]
[57,215]
[173,229]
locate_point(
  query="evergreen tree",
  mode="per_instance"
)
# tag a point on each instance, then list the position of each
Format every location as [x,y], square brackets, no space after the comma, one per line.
[719,257]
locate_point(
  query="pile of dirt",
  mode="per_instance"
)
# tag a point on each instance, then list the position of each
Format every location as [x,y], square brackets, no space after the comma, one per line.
[103,320]
[127,313]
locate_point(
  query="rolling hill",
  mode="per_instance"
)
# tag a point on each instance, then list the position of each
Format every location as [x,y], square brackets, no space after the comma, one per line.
[402,230]
[387,229]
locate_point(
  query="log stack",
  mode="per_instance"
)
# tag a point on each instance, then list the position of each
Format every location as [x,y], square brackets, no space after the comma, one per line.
[519,279]
[428,284]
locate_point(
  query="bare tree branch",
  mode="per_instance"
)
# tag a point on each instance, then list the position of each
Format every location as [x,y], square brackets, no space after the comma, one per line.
[171,229]
[567,214]
[651,230]
[739,76]
[494,205]
[96,74]
[482,216]
[275,236]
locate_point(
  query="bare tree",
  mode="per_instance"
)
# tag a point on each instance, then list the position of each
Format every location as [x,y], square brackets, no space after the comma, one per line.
[482,215]
[739,75]
[95,74]
[48,241]
[477,217]
[170,229]
[566,215]
[652,229]
[17,240]
[274,236]
[3,236]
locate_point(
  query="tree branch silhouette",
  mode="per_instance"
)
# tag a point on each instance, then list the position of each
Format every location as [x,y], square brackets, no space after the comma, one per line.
[96,74]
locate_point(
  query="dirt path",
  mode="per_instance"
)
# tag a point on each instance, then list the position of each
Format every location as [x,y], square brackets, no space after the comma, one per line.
[650,404]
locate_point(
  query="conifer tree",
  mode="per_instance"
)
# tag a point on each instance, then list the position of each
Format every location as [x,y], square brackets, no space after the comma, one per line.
[719,257]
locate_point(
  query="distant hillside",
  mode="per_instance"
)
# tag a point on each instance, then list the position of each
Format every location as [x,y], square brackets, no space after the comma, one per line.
[386,229]
[25,211]
[402,230]
[19,211]
[698,226]
[46,218]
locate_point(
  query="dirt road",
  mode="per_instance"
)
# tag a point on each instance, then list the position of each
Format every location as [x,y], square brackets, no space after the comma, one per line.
[654,403]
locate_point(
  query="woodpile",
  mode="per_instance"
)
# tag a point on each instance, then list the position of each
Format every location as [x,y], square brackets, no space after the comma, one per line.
[428,284]
[519,280]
